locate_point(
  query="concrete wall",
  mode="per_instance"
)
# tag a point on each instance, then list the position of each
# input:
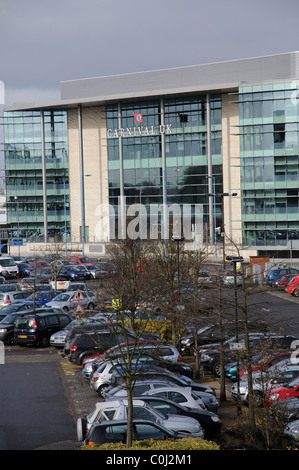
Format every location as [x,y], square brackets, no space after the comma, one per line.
[95,171]
[231,168]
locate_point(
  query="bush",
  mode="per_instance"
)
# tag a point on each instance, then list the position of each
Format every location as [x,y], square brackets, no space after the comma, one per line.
[152,444]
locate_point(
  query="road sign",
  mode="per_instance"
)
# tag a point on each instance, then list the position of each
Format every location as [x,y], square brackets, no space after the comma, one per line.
[17,241]
[78,310]
[78,296]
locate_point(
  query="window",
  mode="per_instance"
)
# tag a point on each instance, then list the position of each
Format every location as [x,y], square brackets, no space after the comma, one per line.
[177,397]
[145,431]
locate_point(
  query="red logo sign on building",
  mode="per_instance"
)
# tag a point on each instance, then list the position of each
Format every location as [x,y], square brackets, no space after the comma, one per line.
[138,118]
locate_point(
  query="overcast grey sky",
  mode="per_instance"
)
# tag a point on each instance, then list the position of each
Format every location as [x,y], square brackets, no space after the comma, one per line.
[46,42]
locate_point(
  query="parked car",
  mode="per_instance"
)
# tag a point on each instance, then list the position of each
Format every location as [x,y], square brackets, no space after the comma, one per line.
[25,270]
[94,271]
[7,326]
[43,275]
[29,285]
[282,282]
[292,285]
[228,278]
[285,391]
[292,430]
[67,301]
[183,395]
[263,363]
[74,286]
[72,273]
[277,273]
[204,278]
[79,260]
[8,287]
[58,339]
[35,329]
[116,431]
[8,267]
[15,307]
[201,390]
[209,421]
[210,334]
[263,385]
[91,342]
[42,298]
[162,351]
[210,354]
[118,410]
[10,297]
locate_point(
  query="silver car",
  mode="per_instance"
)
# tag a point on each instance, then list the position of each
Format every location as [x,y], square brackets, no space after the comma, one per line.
[7,298]
[68,301]
[118,409]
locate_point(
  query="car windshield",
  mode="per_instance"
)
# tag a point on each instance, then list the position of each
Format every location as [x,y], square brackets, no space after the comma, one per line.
[9,319]
[25,323]
[293,383]
[8,288]
[62,298]
[36,296]
[7,262]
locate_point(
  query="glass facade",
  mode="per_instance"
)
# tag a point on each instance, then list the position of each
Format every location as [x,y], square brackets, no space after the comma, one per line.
[269,141]
[185,147]
[24,173]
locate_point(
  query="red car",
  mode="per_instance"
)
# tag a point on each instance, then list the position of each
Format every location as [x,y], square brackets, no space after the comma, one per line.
[264,365]
[291,390]
[282,282]
[290,288]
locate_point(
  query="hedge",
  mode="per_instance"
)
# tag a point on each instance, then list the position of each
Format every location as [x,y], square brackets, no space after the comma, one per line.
[190,443]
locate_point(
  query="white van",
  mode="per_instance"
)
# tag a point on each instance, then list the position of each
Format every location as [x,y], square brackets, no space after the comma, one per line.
[8,267]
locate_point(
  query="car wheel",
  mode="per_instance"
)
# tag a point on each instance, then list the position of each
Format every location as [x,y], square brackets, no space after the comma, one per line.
[43,342]
[66,309]
[81,428]
[296,293]
[217,369]
[101,390]
[90,306]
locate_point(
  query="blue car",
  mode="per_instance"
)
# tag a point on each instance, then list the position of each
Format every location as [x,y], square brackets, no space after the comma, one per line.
[25,270]
[276,274]
[42,298]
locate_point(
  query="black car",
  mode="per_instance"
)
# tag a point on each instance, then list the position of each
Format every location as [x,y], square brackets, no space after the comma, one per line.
[116,431]
[73,273]
[211,334]
[35,329]
[94,342]
[209,421]
[7,326]
[25,270]
[210,356]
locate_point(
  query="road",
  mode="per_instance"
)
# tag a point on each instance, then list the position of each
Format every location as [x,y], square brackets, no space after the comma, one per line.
[34,410]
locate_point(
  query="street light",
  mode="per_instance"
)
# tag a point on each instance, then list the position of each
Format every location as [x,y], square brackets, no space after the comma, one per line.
[234,260]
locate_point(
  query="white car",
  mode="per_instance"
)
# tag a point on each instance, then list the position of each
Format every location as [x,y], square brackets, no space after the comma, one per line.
[183,395]
[68,301]
[118,410]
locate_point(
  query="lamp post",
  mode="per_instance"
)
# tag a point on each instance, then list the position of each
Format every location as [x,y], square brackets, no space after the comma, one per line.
[234,260]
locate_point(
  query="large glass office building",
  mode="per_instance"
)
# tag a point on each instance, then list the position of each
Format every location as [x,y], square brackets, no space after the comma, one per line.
[220,136]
